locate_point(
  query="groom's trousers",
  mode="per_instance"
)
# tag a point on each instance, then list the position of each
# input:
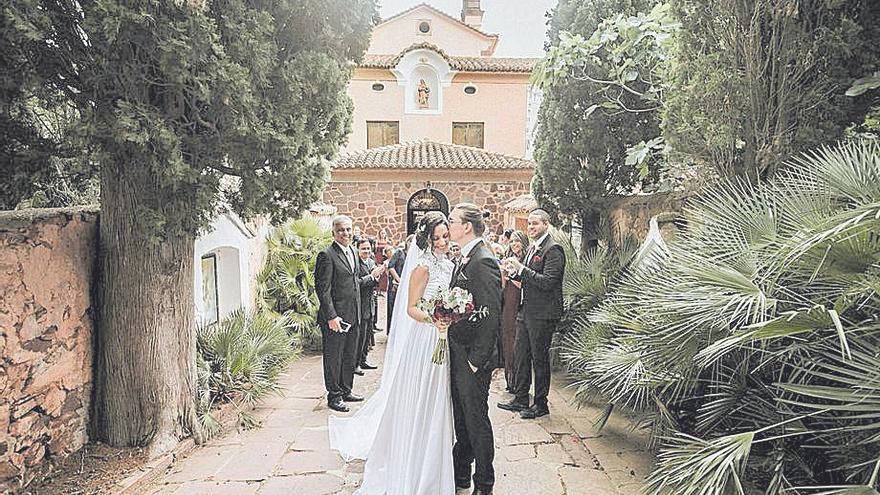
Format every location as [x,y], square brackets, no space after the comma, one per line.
[473,430]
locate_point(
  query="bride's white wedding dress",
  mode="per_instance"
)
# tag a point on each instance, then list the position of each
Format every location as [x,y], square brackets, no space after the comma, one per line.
[404,430]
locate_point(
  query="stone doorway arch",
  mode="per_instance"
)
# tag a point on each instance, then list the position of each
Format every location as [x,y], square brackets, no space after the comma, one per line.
[420,203]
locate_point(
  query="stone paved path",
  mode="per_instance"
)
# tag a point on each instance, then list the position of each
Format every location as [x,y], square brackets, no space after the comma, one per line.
[559,454]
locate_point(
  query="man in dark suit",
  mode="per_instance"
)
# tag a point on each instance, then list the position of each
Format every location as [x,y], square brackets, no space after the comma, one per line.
[538,315]
[368,278]
[338,289]
[472,351]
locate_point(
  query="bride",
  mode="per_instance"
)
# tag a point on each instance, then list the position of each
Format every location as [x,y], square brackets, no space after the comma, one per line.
[404,430]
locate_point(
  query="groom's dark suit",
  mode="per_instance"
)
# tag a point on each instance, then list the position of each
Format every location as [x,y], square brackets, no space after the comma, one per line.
[338,287]
[474,342]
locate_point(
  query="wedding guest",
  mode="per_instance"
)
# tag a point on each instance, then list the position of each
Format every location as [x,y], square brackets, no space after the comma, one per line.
[499,251]
[454,252]
[510,299]
[382,242]
[368,284]
[395,270]
[541,275]
[504,240]
[338,289]
[491,237]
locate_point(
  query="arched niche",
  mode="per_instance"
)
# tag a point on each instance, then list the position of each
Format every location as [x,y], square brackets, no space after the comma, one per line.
[425,84]
[420,203]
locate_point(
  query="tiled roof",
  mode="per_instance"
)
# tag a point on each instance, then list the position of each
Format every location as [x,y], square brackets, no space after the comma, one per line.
[467,64]
[526,202]
[430,155]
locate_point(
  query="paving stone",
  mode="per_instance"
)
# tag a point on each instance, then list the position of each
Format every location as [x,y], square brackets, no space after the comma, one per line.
[254,462]
[553,453]
[575,448]
[310,484]
[289,453]
[528,476]
[555,424]
[200,465]
[305,462]
[217,488]
[580,481]
[317,438]
[515,453]
[519,433]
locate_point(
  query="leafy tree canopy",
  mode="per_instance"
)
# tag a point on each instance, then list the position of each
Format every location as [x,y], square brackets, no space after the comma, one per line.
[210,101]
[581,148]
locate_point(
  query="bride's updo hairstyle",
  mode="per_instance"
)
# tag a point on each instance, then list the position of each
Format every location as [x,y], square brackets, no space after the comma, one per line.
[426,228]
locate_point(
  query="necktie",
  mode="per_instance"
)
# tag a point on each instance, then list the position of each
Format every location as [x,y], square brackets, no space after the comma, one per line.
[350,258]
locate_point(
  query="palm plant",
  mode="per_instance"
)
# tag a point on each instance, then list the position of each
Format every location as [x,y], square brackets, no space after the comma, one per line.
[286,286]
[751,344]
[240,360]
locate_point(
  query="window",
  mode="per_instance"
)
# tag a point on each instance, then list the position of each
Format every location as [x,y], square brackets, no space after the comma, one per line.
[468,134]
[424,27]
[382,133]
[378,87]
[210,297]
[470,90]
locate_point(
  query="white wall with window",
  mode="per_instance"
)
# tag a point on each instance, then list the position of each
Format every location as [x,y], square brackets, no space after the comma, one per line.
[223,275]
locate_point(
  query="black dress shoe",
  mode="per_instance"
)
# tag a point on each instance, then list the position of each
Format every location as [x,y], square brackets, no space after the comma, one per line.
[478,491]
[514,405]
[367,366]
[337,405]
[535,411]
[358,372]
[352,398]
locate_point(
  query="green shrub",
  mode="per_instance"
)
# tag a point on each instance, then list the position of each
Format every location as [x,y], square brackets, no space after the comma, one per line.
[751,345]
[239,360]
[286,286]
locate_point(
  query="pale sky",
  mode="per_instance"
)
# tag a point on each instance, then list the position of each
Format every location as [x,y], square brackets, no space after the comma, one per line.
[520,23]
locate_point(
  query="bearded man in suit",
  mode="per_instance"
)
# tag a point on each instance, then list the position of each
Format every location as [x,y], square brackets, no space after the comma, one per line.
[540,311]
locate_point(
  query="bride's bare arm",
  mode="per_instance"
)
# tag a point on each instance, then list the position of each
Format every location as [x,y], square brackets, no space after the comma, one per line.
[417,283]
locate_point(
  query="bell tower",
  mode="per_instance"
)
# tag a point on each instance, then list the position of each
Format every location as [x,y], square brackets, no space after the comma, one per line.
[471,14]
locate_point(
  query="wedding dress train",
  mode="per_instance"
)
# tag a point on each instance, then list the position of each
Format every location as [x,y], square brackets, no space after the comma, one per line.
[404,430]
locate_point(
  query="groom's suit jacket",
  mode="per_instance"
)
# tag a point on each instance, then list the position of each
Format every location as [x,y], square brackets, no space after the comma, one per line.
[338,286]
[479,274]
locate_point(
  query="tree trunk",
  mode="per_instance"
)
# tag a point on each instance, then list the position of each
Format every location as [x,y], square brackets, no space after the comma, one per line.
[145,380]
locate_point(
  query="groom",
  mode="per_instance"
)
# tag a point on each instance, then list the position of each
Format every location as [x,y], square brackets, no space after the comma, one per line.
[472,355]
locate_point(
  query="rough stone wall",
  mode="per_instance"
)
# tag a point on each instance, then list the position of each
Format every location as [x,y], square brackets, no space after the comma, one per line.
[46,272]
[374,205]
[630,215]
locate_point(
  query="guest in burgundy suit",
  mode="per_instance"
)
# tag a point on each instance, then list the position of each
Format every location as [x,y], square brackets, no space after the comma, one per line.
[510,299]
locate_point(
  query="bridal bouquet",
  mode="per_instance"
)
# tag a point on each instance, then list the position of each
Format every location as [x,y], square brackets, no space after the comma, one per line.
[451,306]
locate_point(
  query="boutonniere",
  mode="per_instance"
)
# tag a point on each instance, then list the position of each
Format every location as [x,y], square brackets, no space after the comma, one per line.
[464,260]
[536,259]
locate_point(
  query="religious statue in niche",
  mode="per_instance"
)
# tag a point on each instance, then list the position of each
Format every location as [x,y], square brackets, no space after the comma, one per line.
[422,94]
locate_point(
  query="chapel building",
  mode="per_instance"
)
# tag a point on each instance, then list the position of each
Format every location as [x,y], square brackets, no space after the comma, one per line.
[438,120]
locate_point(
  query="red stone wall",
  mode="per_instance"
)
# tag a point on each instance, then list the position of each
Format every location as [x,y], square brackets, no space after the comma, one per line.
[630,215]
[374,205]
[46,270]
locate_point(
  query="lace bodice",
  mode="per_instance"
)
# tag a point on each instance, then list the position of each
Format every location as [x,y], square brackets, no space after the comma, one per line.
[439,273]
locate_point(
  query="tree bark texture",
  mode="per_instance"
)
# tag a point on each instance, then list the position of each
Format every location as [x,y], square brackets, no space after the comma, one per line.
[145,380]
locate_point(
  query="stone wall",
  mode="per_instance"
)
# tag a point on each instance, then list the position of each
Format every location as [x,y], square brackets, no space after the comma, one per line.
[46,270]
[374,205]
[630,215]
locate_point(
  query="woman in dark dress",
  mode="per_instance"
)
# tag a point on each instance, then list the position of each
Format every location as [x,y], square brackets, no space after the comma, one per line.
[382,242]
[510,295]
